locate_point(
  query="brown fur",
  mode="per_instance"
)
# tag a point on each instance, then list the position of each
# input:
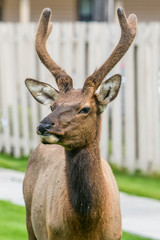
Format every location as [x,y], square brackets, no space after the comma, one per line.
[69,190]
[46,197]
[72,194]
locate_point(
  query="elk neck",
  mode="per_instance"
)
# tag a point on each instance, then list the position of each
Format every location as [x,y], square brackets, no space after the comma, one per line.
[85,182]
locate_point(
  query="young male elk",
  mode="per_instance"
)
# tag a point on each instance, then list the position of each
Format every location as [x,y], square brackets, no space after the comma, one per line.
[70,192]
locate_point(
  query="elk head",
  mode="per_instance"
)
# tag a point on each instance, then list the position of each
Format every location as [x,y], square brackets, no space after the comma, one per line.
[75,114]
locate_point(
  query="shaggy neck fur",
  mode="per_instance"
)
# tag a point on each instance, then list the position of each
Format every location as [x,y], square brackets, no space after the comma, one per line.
[85,182]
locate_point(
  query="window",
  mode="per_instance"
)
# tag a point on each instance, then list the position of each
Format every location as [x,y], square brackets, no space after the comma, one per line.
[92,10]
[85,10]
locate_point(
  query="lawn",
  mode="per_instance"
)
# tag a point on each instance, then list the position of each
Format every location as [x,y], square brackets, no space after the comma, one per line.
[7,161]
[138,184]
[12,224]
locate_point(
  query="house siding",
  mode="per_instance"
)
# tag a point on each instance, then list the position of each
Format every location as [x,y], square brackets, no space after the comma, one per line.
[11,10]
[66,10]
[63,10]
[146,10]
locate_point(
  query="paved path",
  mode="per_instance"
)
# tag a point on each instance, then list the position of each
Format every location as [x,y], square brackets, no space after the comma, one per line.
[140,216]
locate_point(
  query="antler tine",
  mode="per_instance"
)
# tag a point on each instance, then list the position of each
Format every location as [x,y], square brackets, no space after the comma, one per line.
[63,80]
[128,32]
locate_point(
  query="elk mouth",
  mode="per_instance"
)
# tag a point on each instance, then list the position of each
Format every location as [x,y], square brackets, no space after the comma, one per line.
[49,138]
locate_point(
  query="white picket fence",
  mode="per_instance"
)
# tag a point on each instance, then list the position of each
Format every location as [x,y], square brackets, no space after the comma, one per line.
[131,125]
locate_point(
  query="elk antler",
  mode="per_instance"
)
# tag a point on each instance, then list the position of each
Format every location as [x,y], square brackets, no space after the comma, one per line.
[128,29]
[63,80]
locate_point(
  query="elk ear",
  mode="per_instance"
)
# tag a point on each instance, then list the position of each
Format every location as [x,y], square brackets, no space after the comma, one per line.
[108,91]
[42,92]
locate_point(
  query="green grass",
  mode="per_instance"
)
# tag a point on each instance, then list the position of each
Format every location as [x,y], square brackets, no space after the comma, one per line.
[128,236]
[138,184]
[12,223]
[7,161]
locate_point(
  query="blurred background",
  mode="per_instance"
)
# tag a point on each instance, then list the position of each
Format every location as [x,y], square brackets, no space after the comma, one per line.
[84,34]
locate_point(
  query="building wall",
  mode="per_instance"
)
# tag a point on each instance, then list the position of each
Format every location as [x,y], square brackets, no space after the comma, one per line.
[10,10]
[146,10]
[63,10]
[66,10]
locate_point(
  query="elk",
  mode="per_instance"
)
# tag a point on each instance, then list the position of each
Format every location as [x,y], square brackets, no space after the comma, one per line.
[69,190]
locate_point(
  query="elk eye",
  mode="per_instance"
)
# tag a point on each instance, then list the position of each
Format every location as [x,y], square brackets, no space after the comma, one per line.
[84,110]
[51,108]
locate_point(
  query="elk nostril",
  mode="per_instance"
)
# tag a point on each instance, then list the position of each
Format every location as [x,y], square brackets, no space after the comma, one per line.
[48,126]
[43,128]
[40,129]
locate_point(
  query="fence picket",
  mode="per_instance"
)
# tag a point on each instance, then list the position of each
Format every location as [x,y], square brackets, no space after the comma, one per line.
[142,108]
[130,138]
[5,133]
[12,64]
[67,47]
[149,105]
[155,89]
[32,73]
[79,74]
[22,75]
[93,30]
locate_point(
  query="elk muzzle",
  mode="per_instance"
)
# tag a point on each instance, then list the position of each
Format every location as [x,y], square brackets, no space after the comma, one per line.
[43,130]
